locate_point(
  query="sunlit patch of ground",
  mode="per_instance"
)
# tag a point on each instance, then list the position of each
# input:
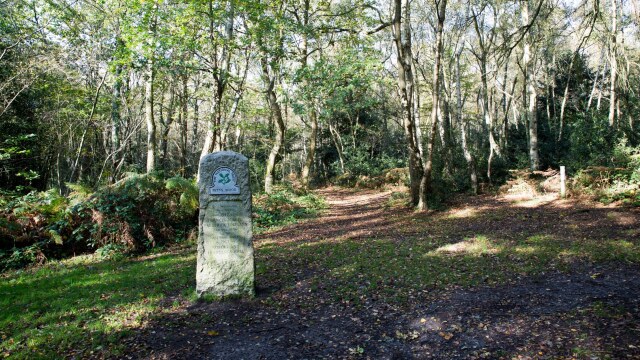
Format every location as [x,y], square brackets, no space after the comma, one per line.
[534,201]
[463,213]
[476,246]
[623,218]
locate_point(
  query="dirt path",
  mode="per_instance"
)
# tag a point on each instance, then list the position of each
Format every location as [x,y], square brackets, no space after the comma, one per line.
[349,215]
[584,311]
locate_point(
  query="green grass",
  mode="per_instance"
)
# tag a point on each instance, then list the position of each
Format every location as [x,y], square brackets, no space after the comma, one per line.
[84,305]
[353,271]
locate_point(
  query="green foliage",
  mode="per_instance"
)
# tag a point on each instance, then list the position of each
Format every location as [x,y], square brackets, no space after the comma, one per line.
[396,176]
[78,193]
[361,162]
[25,236]
[283,206]
[17,147]
[590,141]
[49,204]
[620,182]
[111,251]
[628,157]
[189,194]
[20,257]
[138,213]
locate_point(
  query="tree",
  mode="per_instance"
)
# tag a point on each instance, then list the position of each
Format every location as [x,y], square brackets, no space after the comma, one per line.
[402,40]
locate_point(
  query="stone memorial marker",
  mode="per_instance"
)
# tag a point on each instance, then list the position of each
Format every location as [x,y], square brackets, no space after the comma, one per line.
[225,250]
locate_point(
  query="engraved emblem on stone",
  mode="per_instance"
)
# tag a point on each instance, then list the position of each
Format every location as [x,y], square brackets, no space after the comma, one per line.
[223,182]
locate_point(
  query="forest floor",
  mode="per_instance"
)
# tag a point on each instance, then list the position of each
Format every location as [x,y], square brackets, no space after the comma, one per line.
[489,277]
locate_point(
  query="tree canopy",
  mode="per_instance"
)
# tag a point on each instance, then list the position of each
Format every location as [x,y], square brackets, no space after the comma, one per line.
[457,92]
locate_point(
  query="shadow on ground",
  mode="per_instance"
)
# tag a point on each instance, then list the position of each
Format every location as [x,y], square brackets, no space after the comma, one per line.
[488,278]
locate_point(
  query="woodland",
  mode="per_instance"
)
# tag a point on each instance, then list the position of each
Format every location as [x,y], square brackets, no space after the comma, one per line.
[457,92]
[107,106]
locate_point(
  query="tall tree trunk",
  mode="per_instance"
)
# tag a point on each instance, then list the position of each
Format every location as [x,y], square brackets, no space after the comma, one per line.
[84,132]
[494,148]
[306,170]
[530,91]
[231,116]
[600,85]
[405,85]
[506,102]
[220,73]
[473,177]
[595,81]
[223,78]
[613,53]
[337,142]
[148,115]
[276,113]
[195,119]
[533,127]
[565,95]
[212,130]
[116,119]
[184,114]
[505,120]
[425,184]
[166,127]
[313,116]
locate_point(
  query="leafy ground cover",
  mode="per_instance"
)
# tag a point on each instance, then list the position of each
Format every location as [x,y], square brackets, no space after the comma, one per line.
[138,213]
[491,277]
[285,206]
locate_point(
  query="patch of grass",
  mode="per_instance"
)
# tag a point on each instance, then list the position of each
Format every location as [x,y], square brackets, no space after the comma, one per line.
[581,352]
[396,268]
[604,310]
[83,306]
[609,250]
[397,199]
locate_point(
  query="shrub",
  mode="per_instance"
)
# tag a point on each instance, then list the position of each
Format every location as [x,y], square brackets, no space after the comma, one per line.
[620,182]
[136,214]
[133,215]
[284,206]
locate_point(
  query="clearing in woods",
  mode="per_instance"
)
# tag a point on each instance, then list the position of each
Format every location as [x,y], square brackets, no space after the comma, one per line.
[491,277]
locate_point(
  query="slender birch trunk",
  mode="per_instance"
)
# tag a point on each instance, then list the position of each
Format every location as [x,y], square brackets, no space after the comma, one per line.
[276,112]
[405,88]
[614,62]
[148,114]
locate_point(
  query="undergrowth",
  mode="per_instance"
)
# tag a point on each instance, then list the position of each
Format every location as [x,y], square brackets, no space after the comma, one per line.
[284,206]
[619,182]
[138,213]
